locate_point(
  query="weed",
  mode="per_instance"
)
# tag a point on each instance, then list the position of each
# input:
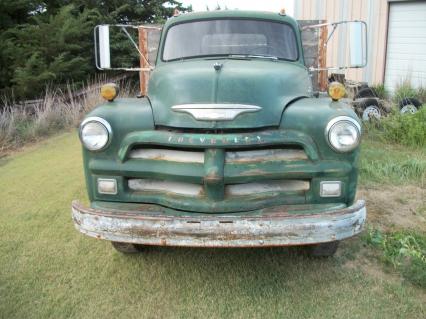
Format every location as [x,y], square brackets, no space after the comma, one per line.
[404,90]
[403,250]
[421,94]
[386,163]
[56,111]
[406,129]
[380,91]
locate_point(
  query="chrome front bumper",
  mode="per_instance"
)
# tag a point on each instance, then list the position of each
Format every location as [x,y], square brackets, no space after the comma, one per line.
[275,228]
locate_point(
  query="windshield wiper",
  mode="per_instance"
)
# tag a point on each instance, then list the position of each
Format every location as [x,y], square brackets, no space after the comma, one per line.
[249,56]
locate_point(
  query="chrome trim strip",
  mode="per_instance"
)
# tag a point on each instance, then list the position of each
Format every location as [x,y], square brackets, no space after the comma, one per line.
[215,112]
[268,186]
[151,185]
[167,155]
[265,155]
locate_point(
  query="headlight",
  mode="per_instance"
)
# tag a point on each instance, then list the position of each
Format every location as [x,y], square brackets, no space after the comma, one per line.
[95,133]
[343,133]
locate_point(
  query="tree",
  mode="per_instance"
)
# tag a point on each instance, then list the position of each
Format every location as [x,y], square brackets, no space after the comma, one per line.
[51,41]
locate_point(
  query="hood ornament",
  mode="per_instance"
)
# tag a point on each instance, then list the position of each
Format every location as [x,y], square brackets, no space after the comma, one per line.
[215,112]
[218,66]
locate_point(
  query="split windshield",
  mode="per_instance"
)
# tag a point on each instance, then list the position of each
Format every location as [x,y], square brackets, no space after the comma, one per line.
[227,37]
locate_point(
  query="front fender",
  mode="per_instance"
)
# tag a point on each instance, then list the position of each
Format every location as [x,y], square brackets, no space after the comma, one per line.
[311,116]
[124,116]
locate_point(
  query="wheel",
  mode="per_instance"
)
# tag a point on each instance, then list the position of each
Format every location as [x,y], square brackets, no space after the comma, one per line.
[323,250]
[370,109]
[409,105]
[408,109]
[371,112]
[126,248]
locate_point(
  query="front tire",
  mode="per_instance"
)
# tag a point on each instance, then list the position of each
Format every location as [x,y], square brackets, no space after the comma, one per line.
[127,248]
[323,250]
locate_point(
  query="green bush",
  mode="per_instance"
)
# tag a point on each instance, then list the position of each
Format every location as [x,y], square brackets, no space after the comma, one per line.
[407,129]
[403,250]
[404,90]
[380,91]
[421,94]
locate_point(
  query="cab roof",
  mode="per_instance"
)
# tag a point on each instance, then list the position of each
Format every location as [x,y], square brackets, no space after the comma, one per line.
[236,14]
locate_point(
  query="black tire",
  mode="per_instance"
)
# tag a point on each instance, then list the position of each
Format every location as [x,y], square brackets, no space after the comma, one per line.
[127,248]
[323,250]
[365,92]
[409,101]
[368,103]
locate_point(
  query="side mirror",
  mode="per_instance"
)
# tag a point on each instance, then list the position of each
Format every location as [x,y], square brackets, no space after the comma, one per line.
[104,50]
[343,45]
[358,44]
[129,45]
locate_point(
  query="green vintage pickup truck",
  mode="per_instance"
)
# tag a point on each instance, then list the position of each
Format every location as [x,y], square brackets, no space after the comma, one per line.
[229,148]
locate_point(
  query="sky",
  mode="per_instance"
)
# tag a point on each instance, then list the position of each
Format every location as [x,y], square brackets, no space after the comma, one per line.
[265,5]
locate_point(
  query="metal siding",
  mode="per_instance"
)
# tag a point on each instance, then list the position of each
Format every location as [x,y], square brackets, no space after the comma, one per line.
[374,12]
[406,51]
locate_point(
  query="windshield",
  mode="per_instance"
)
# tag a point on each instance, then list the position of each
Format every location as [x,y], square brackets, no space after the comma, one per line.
[230,37]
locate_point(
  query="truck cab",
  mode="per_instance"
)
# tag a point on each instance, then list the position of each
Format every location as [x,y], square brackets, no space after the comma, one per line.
[228,148]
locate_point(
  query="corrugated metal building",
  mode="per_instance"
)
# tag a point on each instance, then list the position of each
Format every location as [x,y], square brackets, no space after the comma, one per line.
[396,37]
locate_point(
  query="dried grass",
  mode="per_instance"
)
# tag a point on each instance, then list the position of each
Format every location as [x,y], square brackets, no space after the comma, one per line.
[57,110]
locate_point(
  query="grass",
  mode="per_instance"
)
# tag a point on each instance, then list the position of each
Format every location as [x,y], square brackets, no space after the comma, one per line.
[405,129]
[384,163]
[49,270]
[56,111]
[404,250]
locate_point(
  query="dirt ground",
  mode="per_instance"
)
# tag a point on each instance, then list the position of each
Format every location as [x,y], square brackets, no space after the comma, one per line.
[395,207]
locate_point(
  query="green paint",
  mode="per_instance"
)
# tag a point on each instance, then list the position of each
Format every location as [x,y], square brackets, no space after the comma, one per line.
[290,117]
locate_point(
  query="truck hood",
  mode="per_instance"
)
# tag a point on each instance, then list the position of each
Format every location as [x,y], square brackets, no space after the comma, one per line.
[225,93]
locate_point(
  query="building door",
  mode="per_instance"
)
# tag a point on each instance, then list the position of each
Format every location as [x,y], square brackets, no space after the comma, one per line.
[406,46]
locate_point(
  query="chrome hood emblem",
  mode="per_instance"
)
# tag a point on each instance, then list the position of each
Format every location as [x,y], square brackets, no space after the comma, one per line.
[215,112]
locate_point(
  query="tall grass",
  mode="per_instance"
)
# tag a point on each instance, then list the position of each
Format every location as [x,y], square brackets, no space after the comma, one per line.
[380,91]
[389,163]
[404,90]
[405,129]
[57,110]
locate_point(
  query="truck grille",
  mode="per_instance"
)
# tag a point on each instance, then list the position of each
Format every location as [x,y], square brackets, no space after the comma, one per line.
[213,172]
[189,189]
[243,156]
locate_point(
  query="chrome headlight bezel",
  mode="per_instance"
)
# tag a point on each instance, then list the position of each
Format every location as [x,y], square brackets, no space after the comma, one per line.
[341,120]
[104,125]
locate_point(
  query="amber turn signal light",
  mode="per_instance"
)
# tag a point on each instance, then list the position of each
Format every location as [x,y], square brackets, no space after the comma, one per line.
[109,91]
[336,91]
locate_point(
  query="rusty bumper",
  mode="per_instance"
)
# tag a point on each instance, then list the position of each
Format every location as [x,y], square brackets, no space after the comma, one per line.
[276,228]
